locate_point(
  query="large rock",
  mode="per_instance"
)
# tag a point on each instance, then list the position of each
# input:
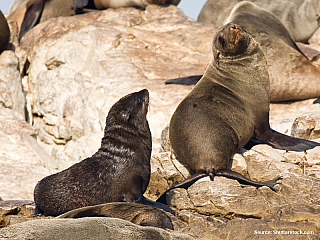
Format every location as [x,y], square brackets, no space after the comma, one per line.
[22,162]
[81,65]
[11,95]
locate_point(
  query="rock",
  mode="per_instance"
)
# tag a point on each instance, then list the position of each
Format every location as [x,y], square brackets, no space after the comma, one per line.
[307,126]
[86,228]
[22,162]
[11,95]
[239,229]
[166,171]
[227,198]
[294,213]
[13,212]
[81,65]
[315,38]
[282,115]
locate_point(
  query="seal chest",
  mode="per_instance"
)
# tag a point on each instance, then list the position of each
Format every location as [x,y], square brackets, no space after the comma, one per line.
[118,171]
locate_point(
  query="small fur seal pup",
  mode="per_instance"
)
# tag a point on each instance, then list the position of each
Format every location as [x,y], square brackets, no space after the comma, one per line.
[134,212]
[118,172]
[227,107]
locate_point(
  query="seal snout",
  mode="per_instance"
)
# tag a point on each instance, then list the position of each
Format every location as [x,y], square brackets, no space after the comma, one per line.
[231,40]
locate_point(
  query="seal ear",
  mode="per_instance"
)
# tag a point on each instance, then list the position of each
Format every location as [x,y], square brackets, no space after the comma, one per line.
[31,17]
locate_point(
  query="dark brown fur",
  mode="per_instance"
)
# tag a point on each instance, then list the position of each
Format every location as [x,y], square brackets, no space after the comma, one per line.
[4,33]
[118,172]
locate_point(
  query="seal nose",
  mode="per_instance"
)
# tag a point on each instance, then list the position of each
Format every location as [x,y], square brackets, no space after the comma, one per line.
[233,26]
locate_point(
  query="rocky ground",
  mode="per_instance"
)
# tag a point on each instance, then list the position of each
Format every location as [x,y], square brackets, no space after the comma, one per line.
[58,85]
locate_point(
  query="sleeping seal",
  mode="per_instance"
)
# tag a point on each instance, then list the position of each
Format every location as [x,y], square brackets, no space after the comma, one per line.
[134,212]
[104,4]
[300,17]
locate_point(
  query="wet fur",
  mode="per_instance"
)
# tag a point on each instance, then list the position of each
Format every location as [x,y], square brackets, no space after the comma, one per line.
[4,33]
[136,213]
[118,171]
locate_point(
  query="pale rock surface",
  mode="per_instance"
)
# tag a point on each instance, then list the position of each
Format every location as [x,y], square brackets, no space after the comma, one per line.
[227,198]
[307,126]
[11,95]
[80,66]
[315,38]
[239,229]
[22,162]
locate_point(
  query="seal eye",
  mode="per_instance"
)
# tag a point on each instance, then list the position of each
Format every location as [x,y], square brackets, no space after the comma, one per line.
[221,41]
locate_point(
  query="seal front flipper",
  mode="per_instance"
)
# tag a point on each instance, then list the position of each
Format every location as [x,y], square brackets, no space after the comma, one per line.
[151,203]
[190,80]
[284,142]
[31,17]
[37,212]
[243,180]
[184,184]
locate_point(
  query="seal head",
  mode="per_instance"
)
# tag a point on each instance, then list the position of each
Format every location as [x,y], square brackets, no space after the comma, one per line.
[231,40]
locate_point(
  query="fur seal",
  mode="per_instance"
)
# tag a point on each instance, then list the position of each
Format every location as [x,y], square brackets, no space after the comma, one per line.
[118,172]
[227,107]
[292,75]
[4,33]
[29,13]
[104,4]
[134,212]
[300,17]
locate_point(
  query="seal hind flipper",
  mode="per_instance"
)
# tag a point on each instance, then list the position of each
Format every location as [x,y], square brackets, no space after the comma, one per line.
[184,184]
[284,142]
[243,180]
[32,17]
[222,173]
[190,80]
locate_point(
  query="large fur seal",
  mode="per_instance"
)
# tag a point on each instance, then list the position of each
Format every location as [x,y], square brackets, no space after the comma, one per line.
[104,4]
[292,75]
[118,172]
[227,107]
[29,13]
[300,17]
[4,33]
[134,212]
